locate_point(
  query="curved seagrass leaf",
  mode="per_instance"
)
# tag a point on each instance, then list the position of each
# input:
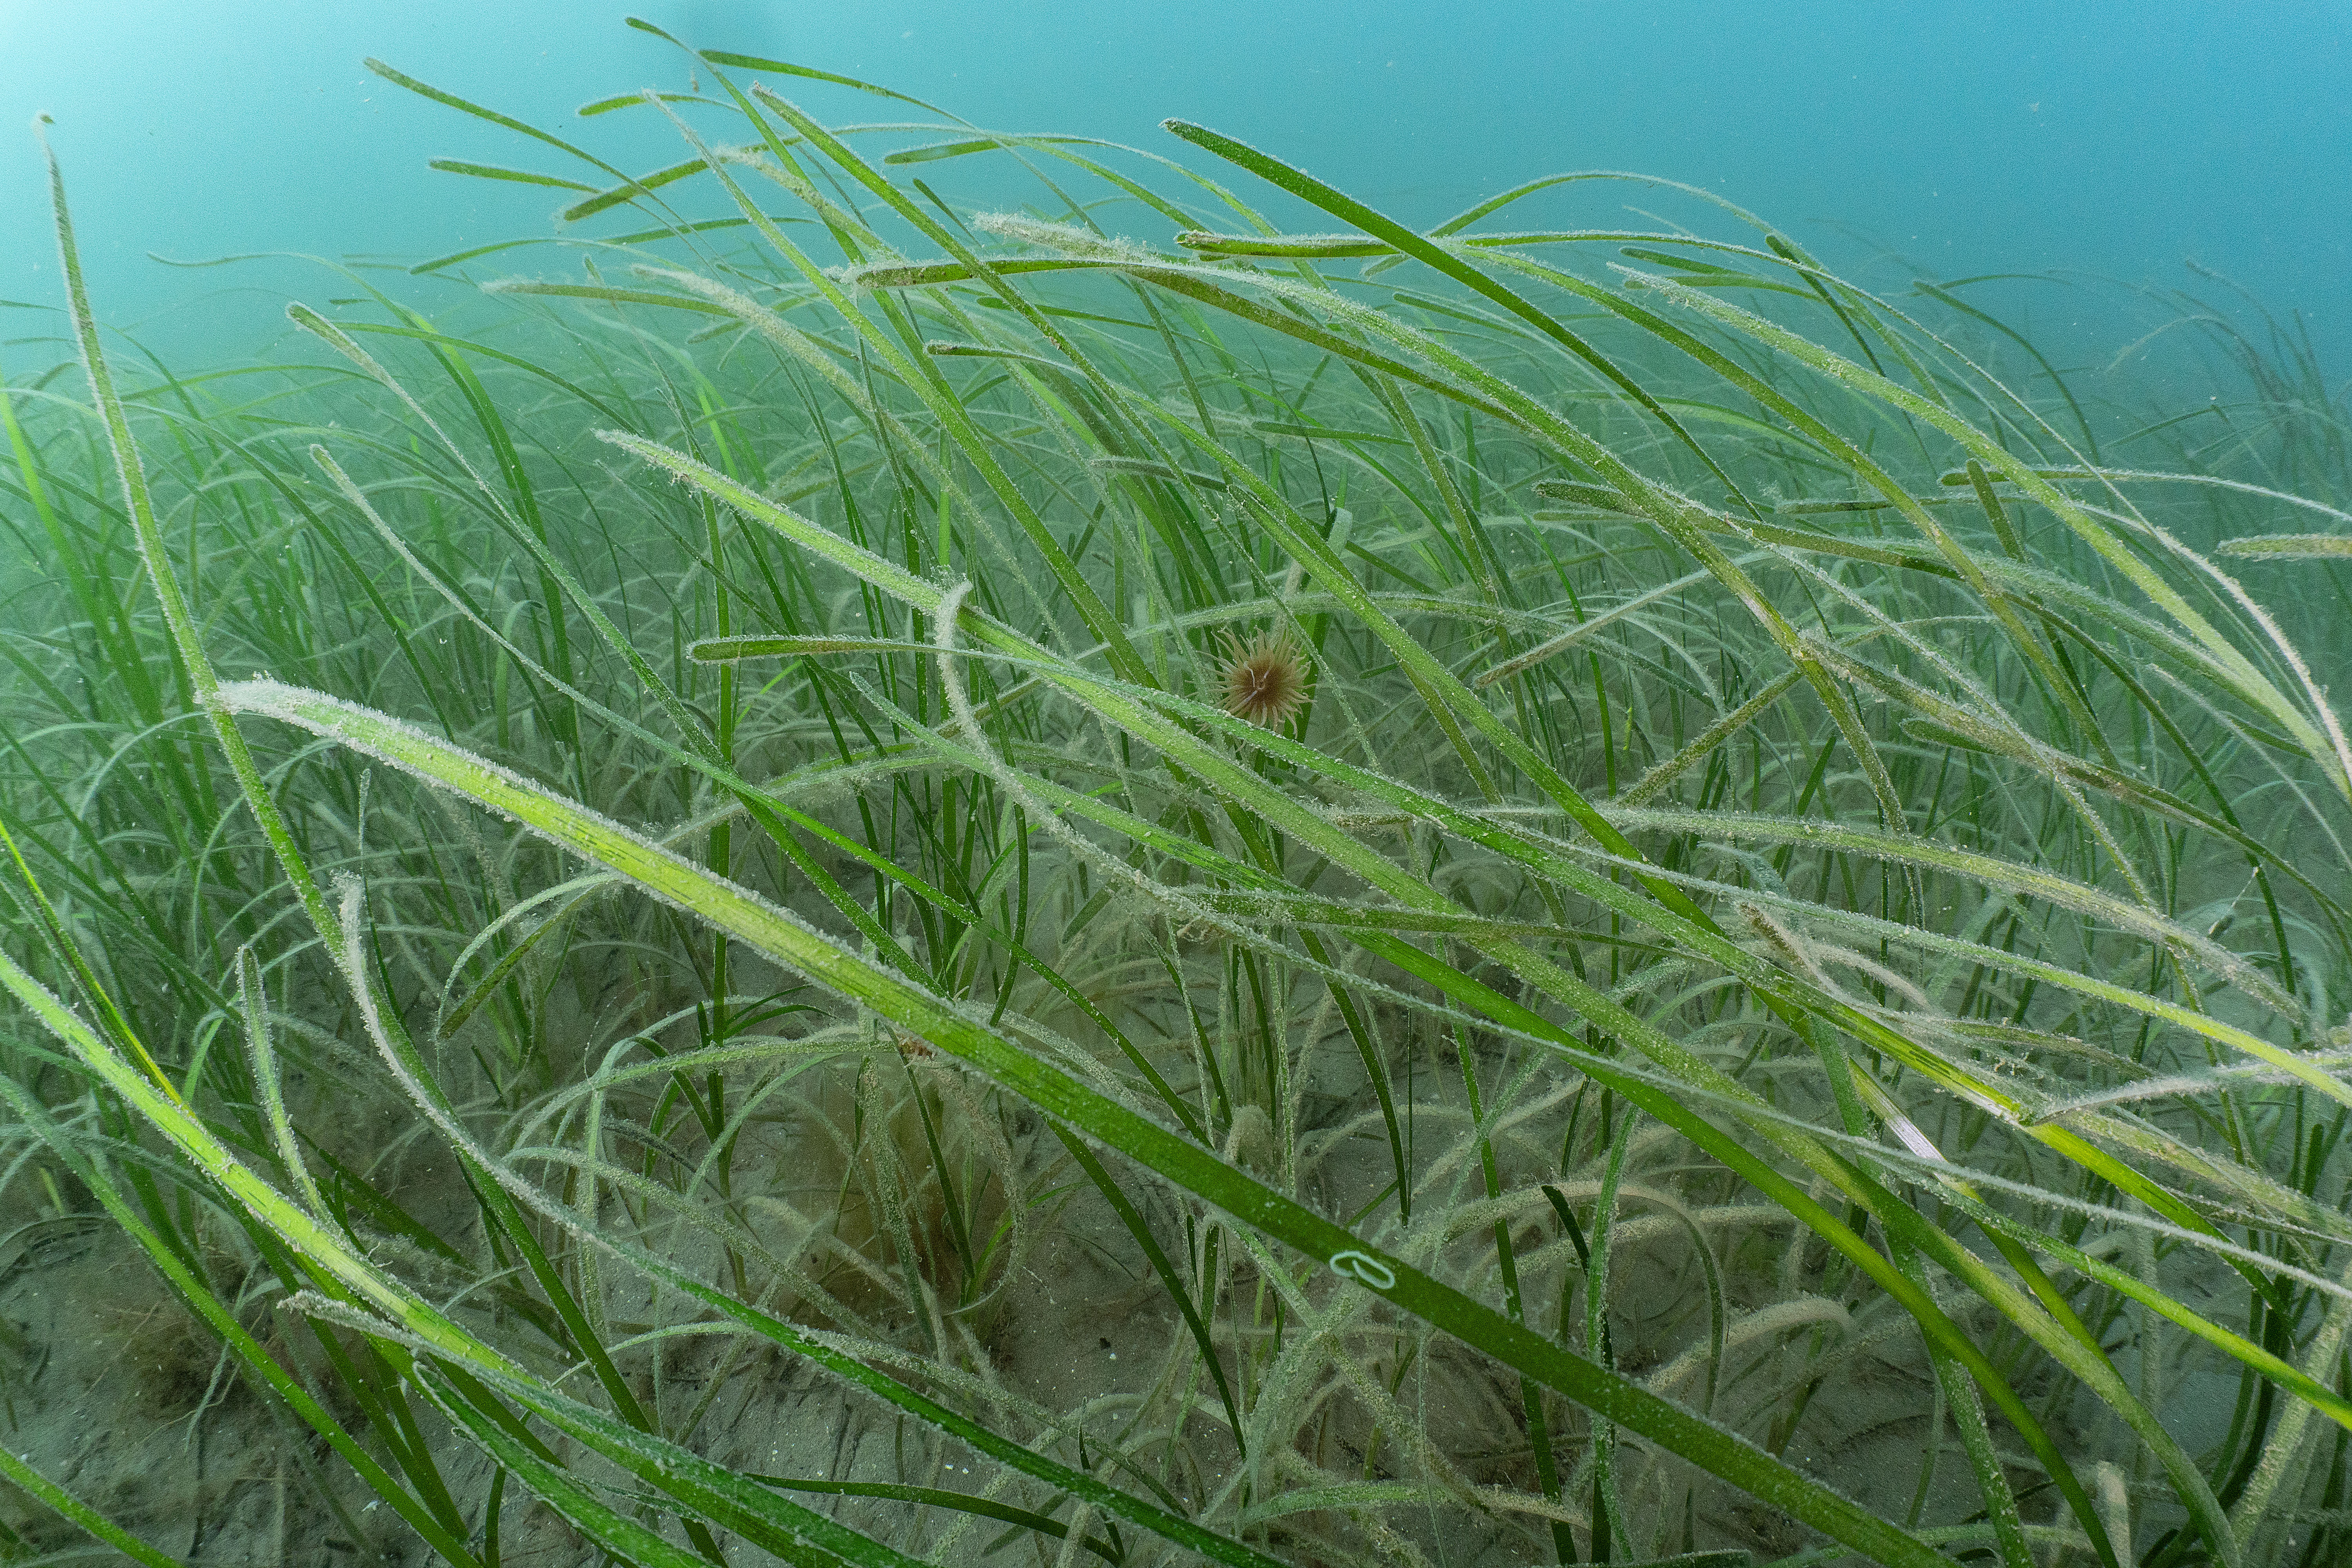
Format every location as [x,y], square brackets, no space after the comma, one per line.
[747,917]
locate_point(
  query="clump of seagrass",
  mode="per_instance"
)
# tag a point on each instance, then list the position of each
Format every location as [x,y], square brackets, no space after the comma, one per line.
[1380,1145]
[1265,681]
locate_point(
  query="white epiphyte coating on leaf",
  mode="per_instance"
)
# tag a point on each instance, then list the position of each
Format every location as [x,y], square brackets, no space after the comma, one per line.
[1067,238]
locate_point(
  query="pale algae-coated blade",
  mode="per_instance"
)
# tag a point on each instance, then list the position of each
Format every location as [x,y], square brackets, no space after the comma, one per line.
[2291,547]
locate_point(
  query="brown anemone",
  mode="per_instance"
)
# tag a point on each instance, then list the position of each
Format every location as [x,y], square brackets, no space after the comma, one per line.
[1265,680]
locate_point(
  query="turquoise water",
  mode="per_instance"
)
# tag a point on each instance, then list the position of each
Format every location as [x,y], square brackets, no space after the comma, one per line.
[2110,139]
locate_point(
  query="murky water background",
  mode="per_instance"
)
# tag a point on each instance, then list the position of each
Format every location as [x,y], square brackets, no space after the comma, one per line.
[2116,136]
